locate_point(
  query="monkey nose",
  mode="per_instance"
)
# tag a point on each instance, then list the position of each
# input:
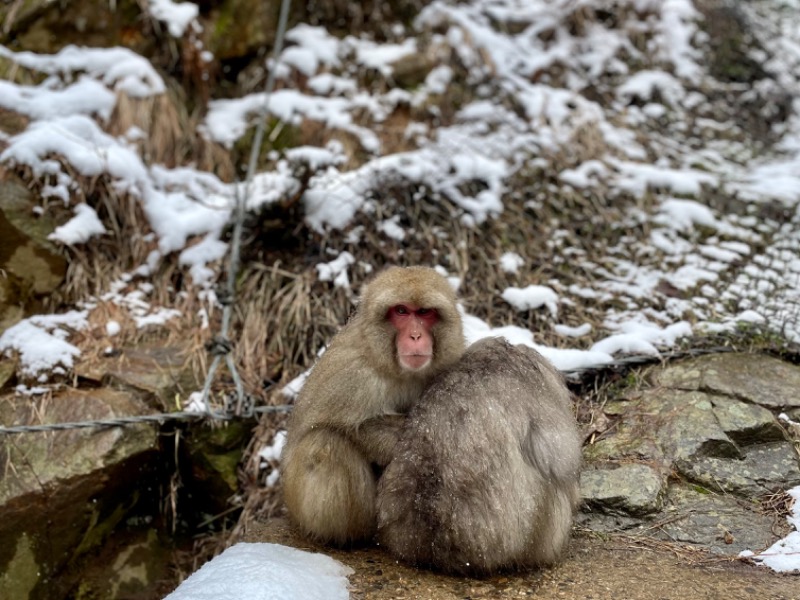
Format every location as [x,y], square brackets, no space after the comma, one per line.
[415,336]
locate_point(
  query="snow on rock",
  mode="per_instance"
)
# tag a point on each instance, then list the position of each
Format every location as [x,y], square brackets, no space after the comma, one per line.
[41,342]
[266,572]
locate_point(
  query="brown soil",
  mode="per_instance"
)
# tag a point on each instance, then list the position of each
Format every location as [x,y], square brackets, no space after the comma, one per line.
[613,568]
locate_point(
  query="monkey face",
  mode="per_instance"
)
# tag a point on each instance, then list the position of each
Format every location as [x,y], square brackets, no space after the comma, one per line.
[414,339]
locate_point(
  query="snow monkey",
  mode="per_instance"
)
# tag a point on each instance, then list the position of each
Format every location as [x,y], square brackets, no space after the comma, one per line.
[350,412]
[485,475]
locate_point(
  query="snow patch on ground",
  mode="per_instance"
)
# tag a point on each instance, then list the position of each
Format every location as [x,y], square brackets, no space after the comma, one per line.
[266,572]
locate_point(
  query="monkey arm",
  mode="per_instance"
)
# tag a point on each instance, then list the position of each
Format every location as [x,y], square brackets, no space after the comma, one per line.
[377,437]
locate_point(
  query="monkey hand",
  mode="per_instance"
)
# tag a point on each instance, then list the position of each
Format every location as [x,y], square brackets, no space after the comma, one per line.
[378,436]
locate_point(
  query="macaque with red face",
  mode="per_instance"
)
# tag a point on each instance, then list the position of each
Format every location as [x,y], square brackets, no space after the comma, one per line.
[351,410]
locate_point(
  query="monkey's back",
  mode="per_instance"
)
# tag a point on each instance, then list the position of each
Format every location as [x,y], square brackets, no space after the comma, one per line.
[486,473]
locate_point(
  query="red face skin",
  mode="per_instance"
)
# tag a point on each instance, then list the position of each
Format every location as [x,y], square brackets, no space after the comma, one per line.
[414,339]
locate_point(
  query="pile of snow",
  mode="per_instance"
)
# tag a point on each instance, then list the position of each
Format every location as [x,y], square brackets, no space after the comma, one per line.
[41,342]
[784,555]
[266,572]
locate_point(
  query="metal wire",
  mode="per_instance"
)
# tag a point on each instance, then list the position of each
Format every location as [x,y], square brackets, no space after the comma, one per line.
[229,293]
[124,421]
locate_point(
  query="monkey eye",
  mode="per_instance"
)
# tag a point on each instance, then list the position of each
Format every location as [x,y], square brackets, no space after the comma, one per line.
[401,310]
[424,311]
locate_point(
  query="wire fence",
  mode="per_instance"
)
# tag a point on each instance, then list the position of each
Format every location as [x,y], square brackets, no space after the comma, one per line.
[159,418]
[244,408]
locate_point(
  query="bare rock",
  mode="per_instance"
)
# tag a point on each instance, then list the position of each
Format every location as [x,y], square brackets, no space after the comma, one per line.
[718,522]
[764,468]
[712,423]
[64,492]
[686,425]
[756,378]
[32,266]
[157,374]
[745,423]
[631,489]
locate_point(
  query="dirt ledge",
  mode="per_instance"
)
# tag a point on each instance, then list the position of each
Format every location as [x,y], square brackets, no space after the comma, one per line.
[597,569]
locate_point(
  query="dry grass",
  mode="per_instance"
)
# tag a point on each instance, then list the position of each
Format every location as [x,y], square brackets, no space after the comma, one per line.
[283,321]
[170,133]
[778,504]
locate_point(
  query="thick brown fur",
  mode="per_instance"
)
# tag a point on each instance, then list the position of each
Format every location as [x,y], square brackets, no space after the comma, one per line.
[486,474]
[348,416]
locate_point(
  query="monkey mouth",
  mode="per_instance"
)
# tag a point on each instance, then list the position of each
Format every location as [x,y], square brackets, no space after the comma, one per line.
[415,362]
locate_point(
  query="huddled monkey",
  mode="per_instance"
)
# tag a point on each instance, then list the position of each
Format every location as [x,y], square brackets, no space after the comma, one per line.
[486,473]
[466,461]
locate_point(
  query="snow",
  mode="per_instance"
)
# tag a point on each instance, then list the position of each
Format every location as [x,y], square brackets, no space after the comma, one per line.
[120,69]
[227,120]
[177,15]
[646,85]
[568,331]
[336,270]
[783,555]
[510,262]
[85,96]
[80,229]
[380,56]
[335,197]
[266,572]
[273,451]
[270,457]
[41,341]
[320,47]
[391,228]
[531,298]
[113,328]
[486,143]
[562,358]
